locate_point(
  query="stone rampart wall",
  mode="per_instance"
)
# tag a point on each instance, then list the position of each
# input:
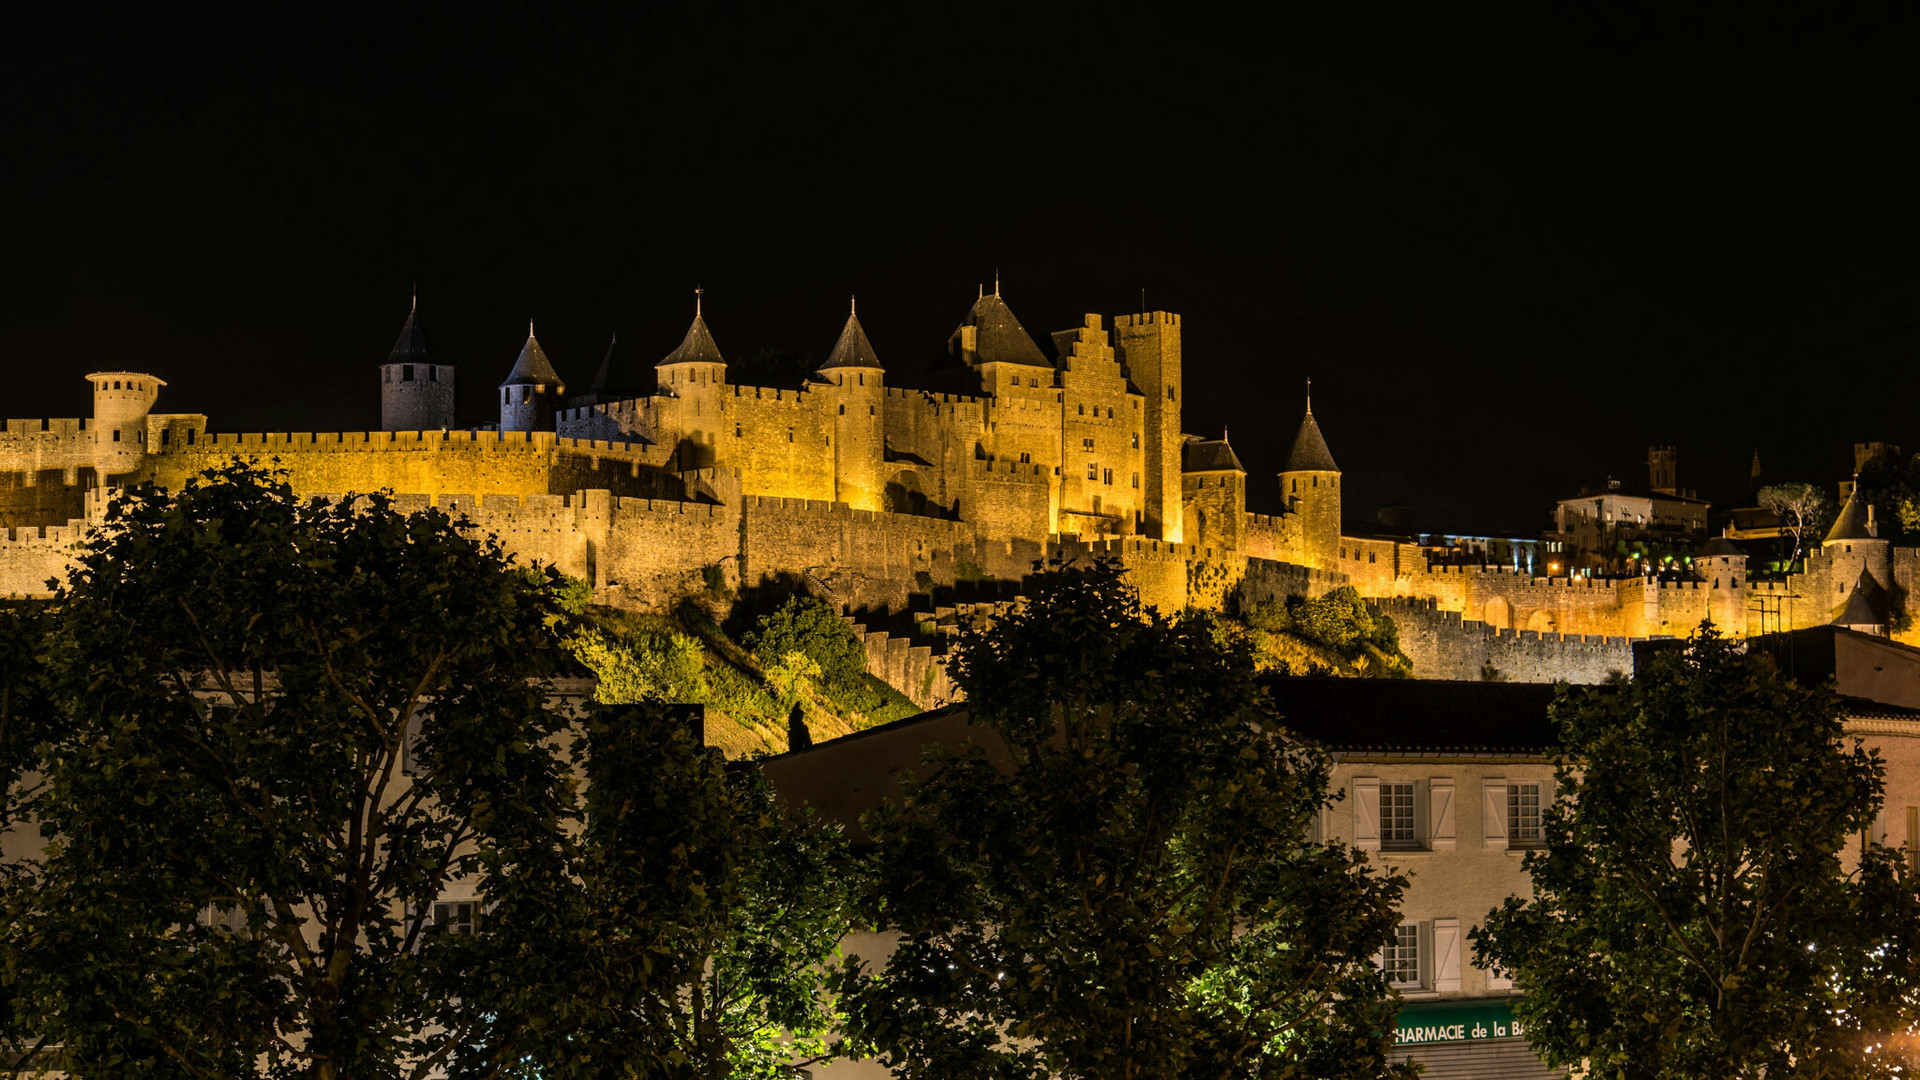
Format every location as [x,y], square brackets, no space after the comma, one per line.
[1442,645]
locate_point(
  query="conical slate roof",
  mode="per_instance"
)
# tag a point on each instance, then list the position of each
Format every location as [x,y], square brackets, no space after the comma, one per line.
[412,346]
[606,378]
[697,347]
[1000,337]
[533,368]
[853,350]
[1310,453]
[1861,609]
[1852,522]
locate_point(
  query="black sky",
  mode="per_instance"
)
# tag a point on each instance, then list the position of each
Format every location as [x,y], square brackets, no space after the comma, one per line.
[1510,252]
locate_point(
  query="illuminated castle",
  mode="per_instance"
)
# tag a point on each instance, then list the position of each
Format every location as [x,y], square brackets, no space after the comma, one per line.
[875,493]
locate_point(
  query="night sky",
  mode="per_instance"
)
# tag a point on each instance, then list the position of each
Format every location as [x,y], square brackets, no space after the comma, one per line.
[1510,253]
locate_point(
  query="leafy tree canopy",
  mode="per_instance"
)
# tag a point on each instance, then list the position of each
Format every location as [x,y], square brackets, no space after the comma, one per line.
[287,728]
[1690,915]
[1132,892]
[744,902]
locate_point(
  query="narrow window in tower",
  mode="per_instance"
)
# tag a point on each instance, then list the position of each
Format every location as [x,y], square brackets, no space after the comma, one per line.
[789,434]
[1136,479]
[116,384]
[736,431]
[1316,481]
[863,378]
[116,434]
[1136,440]
[190,434]
[843,410]
[433,372]
[406,372]
[869,410]
[1093,471]
[1296,483]
[1109,413]
[1026,458]
[1083,410]
[163,437]
[1170,393]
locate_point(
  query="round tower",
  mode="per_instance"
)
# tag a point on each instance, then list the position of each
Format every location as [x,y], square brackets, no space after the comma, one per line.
[695,376]
[1310,487]
[531,394]
[121,402]
[1723,567]
[416,390]
[857,395]
[1859,564]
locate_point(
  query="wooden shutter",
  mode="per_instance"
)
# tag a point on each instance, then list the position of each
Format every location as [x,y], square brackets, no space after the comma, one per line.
[1440,813]
[1366,813]
[1493,815]
[1446,954]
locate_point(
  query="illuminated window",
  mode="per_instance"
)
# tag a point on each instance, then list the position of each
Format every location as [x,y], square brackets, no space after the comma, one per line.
[1086,444]
[1523,815]
[1396,815]
[1136,440]
[455,917]
[1025,458]
[1401,959]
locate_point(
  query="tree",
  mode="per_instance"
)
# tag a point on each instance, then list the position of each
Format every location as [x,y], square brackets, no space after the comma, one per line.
[1132,892]
[1802,509]
[288,728]
[26,721]
[740,904]
[1689,914]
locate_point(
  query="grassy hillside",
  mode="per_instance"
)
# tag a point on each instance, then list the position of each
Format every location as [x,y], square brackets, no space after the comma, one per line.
[751,698]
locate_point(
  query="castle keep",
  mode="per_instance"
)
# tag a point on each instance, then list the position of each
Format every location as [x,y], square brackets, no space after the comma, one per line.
[874,493]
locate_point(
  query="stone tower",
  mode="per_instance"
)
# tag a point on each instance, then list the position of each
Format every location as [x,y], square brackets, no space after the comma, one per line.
[416,390]
[1215,514]
[1148,346]
[859,426]
[1859,564]
[1723,566]
[1663,469]
[695,374]
[532,391]
[121,402]
[1310,485]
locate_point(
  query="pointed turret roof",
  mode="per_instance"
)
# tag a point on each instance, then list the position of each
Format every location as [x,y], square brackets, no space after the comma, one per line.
[697,347]
[1852,522]
[533,368]
[999,336]
[1722,547]
[602,376]
[1310,453]
[412,346]
[1863,607]
[853,349]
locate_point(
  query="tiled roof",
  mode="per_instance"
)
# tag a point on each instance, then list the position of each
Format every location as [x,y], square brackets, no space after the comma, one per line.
[412,346]
[1852,522]
[1417,716]
[1210,455]
[697,347]
[1310,453]
[533,367]
[853,349]
[1001,338]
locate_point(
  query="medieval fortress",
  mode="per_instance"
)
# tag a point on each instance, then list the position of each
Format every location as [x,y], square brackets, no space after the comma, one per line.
[875,495]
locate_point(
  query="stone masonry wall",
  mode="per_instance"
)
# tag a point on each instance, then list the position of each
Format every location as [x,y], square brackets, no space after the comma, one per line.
[1442,645]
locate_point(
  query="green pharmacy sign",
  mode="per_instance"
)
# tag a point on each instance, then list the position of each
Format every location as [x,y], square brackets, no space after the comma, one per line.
[1465,1021]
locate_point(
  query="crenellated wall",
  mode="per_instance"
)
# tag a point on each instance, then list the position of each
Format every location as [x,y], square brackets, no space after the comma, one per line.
[1442,645]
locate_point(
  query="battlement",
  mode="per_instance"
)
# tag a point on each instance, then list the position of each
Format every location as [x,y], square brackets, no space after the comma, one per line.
[1147,318]
[1428,610]
[46,536]
[62,428]
[929,397]
[607,408]
[768,394]
[362,441]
